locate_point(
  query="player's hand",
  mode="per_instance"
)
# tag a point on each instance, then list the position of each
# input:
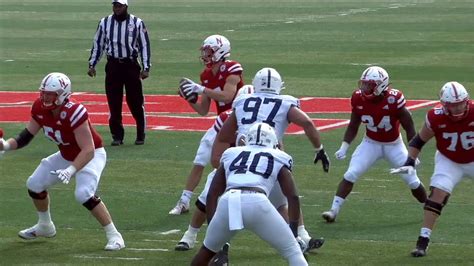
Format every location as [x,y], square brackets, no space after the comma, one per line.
[65,174]
[341,153]
[91,72]
[407,169]
[190,86]
[320,154]
[144,74]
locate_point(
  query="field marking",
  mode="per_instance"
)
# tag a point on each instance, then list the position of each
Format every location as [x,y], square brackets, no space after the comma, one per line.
[102,257]
[173,231]
[149,249]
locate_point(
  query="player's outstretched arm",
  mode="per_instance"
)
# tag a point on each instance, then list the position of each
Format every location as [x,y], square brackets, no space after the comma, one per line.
[23,139]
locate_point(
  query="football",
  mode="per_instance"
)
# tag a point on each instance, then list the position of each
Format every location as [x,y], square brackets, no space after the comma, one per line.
[192,98]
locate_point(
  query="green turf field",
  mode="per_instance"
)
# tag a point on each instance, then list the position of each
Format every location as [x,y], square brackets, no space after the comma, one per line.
[319,47]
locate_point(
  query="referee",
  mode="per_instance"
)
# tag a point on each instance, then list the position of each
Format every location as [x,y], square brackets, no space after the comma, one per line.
[122,36]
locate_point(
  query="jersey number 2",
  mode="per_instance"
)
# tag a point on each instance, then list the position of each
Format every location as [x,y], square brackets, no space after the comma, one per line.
[384,123]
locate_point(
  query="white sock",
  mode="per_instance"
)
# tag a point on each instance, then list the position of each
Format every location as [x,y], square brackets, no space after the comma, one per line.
[110,229]
[193,230]
[425,232]
[303,233]
[44,217]
[186,196]
[337,203]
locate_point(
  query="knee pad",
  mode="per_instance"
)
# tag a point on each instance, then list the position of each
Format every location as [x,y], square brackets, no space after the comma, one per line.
[350,177]
[82,194]
[92,202]
[433,206]
[200,206]
[445,201]
[39,196]
[415,184]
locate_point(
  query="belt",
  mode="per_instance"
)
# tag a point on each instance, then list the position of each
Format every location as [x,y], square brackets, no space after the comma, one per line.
[250,190]
[121,60]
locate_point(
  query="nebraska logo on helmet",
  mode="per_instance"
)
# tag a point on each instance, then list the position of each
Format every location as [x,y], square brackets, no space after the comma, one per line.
[455,100]
[55,88]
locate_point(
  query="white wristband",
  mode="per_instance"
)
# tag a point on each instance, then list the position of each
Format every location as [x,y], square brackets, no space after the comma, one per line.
[71,169]
[6,145]
[320,148]
[344,146]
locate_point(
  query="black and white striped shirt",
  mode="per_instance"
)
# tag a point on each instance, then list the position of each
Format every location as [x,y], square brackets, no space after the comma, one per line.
[121,39]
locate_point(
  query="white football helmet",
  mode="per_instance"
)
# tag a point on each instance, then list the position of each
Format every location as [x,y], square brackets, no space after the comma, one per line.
[261,134]
[214,49]
[455,100]
[268,80]
[246,89]
[57,83]
[373,81]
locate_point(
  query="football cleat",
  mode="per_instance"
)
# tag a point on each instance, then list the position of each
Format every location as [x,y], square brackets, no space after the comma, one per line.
[329,216]
[314,243]
[38,230]
[115,243]
[222,257]
[180,208]
[187,242]
[421,247]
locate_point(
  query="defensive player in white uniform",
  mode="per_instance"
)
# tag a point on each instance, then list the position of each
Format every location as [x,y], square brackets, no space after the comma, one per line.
[81,154]
[452,125]
[203,157]
[245,176]
[382,110]
[267,105]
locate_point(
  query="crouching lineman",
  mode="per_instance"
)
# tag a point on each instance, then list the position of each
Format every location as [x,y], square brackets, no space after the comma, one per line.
[244,178]
[452,125]
[81,154]
[382,109]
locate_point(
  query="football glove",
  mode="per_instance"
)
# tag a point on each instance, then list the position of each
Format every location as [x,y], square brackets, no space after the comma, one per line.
[341,153]
[65,174]
[320,154]
[188,86]
[407,168]
[222,257]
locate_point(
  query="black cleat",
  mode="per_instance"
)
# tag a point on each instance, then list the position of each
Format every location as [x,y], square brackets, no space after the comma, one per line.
[222,257]
[421,247]
[182,246]
[116,142]
[314,243]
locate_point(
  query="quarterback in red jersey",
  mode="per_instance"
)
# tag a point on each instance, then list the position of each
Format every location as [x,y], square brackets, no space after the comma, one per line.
[220,81]
[382,110]
[81,154]
[452,125]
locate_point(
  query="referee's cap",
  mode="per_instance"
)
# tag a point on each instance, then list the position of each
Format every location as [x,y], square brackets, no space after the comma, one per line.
[123,2]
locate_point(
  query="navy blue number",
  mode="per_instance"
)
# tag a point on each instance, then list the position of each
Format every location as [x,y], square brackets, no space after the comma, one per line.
[256,160]
[239,164]
[252,105]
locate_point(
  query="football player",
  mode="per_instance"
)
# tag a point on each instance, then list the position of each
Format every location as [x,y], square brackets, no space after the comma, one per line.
[220,81]
[244,178]
[267,105]
[382,109]
[81,155]
[452,125]
[204,155]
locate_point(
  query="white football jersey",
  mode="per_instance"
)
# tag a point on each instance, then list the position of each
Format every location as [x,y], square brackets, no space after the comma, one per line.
[263,107]
[254,166]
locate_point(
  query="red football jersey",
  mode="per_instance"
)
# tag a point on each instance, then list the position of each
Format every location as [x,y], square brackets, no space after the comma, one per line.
[60,130]
[454,140]
[380,118]
[218,81]
[221,118]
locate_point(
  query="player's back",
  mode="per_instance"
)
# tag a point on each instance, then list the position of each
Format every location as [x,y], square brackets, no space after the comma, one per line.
[263,107]
[254,166]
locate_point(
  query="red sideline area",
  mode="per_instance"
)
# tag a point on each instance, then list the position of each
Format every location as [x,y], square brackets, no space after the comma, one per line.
[15,107]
